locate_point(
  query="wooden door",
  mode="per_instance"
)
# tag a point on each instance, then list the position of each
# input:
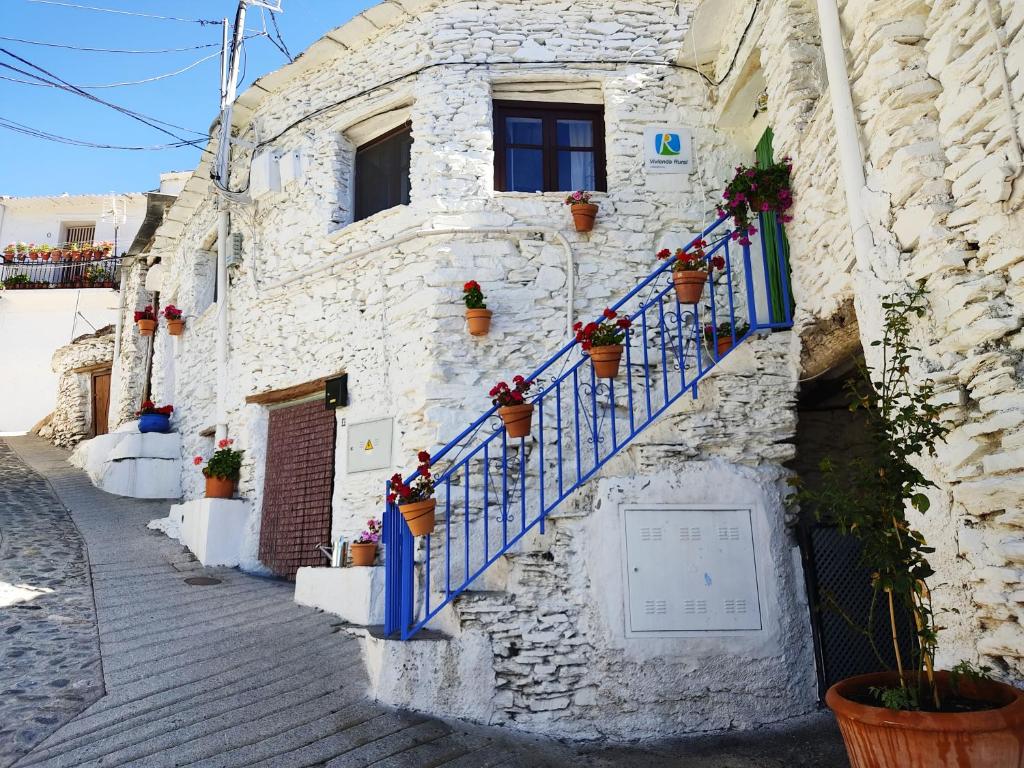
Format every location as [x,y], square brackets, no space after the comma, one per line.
[100,402]
[298,486]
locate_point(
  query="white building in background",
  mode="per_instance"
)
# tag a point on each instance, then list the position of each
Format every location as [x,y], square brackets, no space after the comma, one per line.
[63,304]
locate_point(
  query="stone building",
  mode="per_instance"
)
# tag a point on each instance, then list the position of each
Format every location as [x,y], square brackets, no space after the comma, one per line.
[417,147]
[83,388]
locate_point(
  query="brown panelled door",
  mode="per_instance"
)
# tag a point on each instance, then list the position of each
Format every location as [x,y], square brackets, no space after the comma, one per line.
[100,402]
[298,486]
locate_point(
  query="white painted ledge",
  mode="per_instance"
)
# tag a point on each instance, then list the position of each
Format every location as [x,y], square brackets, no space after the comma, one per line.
[129,463]
[355,594]
[213,529]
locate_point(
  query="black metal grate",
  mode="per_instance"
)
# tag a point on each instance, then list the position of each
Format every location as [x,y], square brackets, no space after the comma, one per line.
[835,573]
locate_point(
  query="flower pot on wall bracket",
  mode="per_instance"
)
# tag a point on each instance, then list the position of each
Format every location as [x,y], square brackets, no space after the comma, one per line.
[364,553]
[689,285]
[478,321]
[146,327]
[175,327]
[419,516]
[583,215]
[879,737]
[606,360]
[220,487]
[154,422]
[517,419]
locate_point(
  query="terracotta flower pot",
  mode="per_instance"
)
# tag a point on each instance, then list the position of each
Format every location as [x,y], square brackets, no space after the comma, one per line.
[583,215]
[606,360]
[175,327]
[877,737]
[723,345]
[364,554]
[478,321]
[517,418]
[419,516]
[220,487]
[46,256]
[689,285]
[146,327]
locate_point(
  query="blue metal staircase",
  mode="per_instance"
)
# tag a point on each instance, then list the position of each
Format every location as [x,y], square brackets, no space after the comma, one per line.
[494,489]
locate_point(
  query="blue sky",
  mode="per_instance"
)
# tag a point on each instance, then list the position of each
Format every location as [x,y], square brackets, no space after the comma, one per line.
[35,166]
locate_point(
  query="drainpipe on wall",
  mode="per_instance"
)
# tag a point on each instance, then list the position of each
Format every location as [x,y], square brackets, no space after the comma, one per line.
[223,227]
[115,368]
[851,157]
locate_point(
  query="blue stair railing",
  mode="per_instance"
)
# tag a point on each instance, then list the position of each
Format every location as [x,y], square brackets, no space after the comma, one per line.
[494,489]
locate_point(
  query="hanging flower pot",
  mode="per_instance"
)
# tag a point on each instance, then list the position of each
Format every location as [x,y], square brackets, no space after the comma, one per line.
[478,316]
[722,338]
[606,360]
[690,270]
[583,211]
[415,501]
[603,342]
[419,516]
[145,320]
[222,470]
[515,412]
[175,325]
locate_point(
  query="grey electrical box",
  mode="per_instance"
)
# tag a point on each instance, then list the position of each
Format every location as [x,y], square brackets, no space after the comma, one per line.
[369,445]
[690,570]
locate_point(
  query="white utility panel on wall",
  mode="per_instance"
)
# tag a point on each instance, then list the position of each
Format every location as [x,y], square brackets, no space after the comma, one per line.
[368,445]
[690,570]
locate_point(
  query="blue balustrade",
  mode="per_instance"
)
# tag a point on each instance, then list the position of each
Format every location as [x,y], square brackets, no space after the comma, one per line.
[492,490]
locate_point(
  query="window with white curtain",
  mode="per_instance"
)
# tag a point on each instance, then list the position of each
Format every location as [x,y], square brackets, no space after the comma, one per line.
[548,147]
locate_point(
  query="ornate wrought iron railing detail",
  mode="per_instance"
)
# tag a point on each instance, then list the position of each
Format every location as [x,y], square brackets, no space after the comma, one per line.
[93,273]
[494,489]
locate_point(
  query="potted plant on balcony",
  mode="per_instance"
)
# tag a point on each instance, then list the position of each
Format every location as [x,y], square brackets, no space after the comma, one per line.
[583,211]
[364,548]
[603,342]
[478,316]
[914,715]
[154,418]
[690,270]
[16,282]
[9,252]
[416,501]
[146,321]
[172,315]
[515,412]
[722,338]
[222,470]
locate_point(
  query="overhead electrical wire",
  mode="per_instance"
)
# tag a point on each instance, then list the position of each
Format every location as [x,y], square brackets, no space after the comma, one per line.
[127,82]
[125,13]
[11,125]
[108,50]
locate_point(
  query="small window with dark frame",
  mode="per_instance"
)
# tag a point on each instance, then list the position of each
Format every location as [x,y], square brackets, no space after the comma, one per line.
[382,172]
[548,147]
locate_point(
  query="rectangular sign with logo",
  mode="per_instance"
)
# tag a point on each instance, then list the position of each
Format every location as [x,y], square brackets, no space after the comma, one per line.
[667,149]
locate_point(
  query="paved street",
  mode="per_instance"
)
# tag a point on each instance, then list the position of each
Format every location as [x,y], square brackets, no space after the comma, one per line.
[160,672]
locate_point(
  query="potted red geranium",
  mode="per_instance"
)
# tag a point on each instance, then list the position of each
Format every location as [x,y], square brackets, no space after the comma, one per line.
[172,315]
[690,270]
[154,418]
[723,338]
[364,548]
[478,316]
[416,501]
[146,321]
[603,342]
[515,412]
[222,470]
[583,211]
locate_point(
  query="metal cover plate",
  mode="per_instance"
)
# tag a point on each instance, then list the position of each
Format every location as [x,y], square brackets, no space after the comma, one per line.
[690,570]
[368,445]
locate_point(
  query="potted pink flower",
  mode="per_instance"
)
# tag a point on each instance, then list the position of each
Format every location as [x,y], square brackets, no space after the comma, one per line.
[222,471]
[364,548]
[583,210]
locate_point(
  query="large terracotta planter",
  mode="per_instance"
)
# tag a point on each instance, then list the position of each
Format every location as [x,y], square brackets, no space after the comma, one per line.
[689,285]
[146,327]
[175,327]
[419,516]
[478,321]
[364,554]
[517,419]
[583,215]
[606,360]
[877,737]
[220,487]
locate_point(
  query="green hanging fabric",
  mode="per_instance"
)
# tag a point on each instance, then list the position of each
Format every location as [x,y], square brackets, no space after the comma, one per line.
[764,157]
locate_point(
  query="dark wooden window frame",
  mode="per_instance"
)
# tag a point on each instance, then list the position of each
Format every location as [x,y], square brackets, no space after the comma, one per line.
[549,113]
[357,214]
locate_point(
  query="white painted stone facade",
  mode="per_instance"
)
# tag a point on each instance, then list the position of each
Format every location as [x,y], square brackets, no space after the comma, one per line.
[544,648]
[71,420]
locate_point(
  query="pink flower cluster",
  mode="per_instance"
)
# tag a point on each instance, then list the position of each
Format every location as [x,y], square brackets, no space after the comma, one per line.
[372,533]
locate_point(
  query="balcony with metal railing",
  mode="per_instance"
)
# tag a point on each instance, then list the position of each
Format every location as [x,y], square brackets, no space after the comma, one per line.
[72,265]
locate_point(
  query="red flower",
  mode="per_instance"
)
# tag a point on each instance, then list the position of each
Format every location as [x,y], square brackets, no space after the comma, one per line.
[623,322]
[423,456]
[391,498]
[472,285]
[664,253]
[197,460]
[609,313]
[518,379]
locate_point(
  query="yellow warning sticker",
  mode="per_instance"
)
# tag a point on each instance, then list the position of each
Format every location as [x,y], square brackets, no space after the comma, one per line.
[368,446]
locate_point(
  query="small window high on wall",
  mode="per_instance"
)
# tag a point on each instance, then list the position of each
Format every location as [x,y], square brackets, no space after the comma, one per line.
[548,147]
[382,172]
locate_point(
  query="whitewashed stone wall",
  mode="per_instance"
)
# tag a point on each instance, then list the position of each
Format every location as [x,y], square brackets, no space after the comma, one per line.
[389,314]
[129,377]
[71,420]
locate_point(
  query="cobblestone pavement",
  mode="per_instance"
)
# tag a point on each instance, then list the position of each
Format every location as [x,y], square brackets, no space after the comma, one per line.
[49,649]
[235,674]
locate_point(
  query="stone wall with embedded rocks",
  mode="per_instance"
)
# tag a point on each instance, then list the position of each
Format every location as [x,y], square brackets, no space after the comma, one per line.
[316,293]
[71,420]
